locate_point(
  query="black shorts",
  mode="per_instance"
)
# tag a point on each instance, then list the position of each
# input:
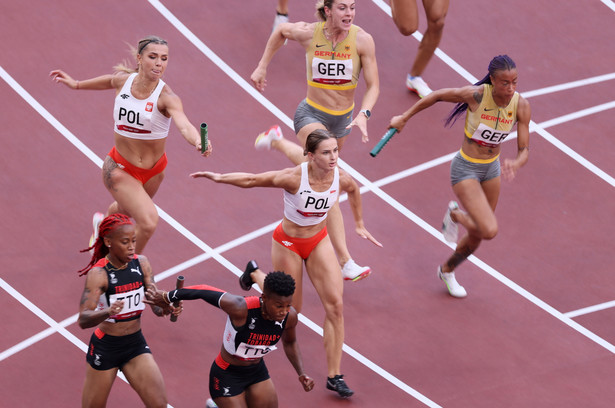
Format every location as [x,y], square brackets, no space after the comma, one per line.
[233,380]
[106,352]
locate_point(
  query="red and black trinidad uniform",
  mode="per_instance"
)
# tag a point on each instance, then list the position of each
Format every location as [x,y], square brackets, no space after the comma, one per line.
[125,284]
[250,342]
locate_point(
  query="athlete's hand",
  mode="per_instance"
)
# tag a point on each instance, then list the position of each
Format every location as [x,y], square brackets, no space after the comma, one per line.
[361,121]
[397,122]
[62,77]
[307,382]
[258,78]
[115,308]
[156,298]
[509,169]
[207,152]
[364,233]
[206,174]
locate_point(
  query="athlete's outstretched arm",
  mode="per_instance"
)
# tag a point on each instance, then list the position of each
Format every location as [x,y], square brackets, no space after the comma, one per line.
[287,179]
[234,306]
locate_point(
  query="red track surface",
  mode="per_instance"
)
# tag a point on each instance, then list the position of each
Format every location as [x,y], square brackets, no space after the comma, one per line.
[502,346]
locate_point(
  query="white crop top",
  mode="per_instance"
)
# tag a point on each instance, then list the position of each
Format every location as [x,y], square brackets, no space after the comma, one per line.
[139,118]
[308,207]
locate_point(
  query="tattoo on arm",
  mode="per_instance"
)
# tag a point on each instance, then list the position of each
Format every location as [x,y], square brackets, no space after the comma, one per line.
[84,297]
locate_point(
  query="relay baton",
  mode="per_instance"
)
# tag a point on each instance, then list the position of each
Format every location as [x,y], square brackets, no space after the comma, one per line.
[384,140]
[178,285]
[204,141]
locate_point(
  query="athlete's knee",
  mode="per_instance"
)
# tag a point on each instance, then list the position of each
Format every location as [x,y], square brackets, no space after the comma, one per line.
[436,24]
[147,224]
[406,28]
[489,231]
[162,403]
[335,310]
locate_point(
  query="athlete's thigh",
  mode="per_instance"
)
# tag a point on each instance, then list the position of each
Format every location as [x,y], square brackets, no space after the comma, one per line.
[130,195]
[491,188]
[435,9]
[237,401]
[475,202]
[324,271]
[97,386]
[152,185]
[405,12]
[145,377]
[262,394]
[304,132]
[289,262]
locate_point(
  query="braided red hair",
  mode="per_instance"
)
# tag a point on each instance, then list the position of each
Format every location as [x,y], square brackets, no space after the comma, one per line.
[108,225]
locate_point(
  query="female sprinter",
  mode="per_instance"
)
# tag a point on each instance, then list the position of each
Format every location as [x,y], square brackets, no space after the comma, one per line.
[336,52]
[492,107]
[144,107]
[113,300]
[239,376]
[310,190]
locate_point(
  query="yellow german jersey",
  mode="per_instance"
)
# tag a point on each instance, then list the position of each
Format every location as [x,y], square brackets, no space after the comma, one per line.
[333,68]
[490,124]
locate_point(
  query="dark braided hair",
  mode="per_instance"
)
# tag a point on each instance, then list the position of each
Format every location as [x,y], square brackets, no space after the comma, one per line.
[279,283]
[107,226]
[499,63]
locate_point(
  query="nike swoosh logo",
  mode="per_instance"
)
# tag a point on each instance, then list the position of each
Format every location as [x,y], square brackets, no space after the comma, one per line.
[488,110]
[320,45]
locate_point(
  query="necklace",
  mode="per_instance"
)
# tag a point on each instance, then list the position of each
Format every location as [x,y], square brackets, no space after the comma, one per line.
[142,86]
[332,37]
[113,267]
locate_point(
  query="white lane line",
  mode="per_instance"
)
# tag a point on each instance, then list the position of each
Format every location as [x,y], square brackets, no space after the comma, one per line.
[394,203]
[569,85]
[191,237]
[550,138]
[591,309]
[609,4]
[247,88]
[53,327]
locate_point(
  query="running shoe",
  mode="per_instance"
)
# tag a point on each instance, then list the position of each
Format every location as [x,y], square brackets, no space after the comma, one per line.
[210,403]
[279,19]
[352,271]
[245,280]
[263,141]
[338,385]
[96,220]
[450,229]
[417,85]
[454,288]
